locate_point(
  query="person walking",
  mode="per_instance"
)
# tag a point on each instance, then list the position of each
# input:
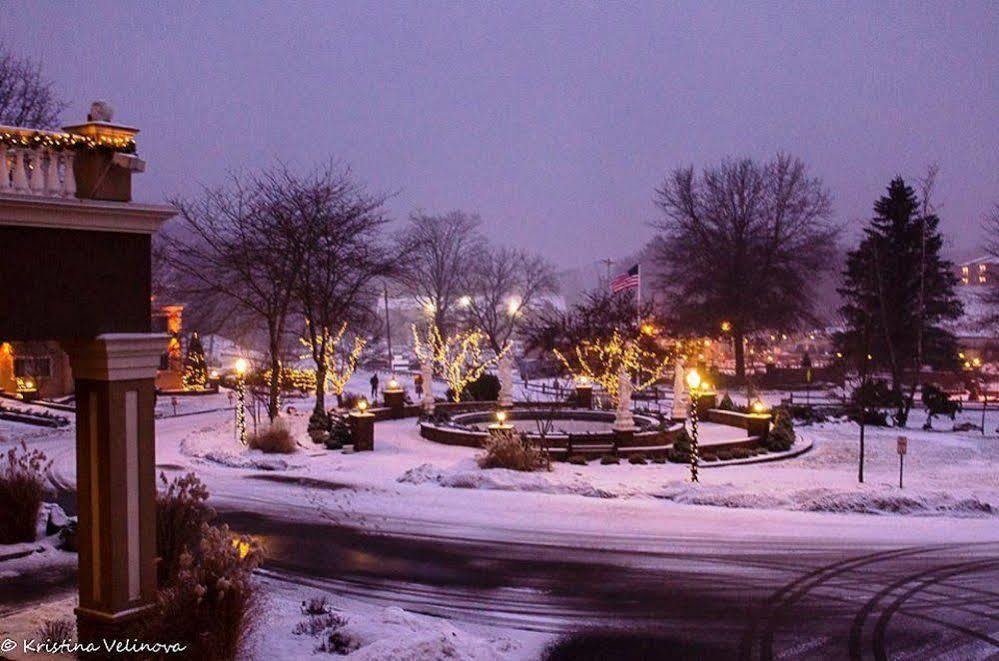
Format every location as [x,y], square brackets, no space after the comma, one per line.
[418,385]
[374,387]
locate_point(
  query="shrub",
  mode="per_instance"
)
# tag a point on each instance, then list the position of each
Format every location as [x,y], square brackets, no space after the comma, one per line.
[609,459]
[316,624]
[709,457]
[181,511]
[276,438]
[513,451]
[937,402]
[659,459]
[316,605]
[680,452]
[438,417]
[741,453]
[349,400]
[211,604]
[56,631]
[339,432]
[22,487]
[484,389]
[723,455]
[577,459]
[637,459]
[726,403]
[781,436]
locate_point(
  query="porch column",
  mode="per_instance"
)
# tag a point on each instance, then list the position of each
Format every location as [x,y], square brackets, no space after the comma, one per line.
[116,478]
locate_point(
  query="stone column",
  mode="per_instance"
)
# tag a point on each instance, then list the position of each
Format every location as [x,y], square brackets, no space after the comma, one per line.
[584,395]
[116,478]
[506,380]
[395,401]
[362,430]
[681,398]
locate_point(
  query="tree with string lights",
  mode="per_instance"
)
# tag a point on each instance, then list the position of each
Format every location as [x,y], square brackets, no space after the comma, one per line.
[460,357]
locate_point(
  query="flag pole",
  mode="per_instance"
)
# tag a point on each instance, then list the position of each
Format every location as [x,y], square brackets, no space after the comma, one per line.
[638,296]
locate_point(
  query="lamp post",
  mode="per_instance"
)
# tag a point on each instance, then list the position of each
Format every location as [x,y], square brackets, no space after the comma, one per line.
[694,383]
[241,366]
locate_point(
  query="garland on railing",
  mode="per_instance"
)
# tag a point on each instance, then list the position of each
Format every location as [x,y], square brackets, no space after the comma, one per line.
[66,141]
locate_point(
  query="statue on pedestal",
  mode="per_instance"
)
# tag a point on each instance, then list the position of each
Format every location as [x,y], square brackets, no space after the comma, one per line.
[623,419]
[427,370]
[681,398]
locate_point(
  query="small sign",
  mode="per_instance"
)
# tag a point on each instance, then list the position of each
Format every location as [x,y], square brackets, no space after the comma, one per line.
[903,445]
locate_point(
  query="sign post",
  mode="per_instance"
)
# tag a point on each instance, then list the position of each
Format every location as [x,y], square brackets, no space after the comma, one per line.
[902,447]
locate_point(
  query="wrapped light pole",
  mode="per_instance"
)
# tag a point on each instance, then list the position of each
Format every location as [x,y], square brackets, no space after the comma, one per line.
[694,383]
[241,366]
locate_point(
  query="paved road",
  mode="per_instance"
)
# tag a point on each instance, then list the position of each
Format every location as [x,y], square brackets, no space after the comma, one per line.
[750,600]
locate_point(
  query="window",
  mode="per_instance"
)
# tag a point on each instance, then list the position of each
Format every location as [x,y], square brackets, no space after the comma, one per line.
[34,366]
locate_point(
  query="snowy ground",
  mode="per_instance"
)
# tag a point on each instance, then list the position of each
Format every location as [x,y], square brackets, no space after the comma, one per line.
[410,486]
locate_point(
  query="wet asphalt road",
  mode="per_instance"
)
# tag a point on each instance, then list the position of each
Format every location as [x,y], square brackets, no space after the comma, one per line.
[708,599]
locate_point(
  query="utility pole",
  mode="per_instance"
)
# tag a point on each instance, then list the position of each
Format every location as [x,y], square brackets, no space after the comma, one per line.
[608,262]
[388,331]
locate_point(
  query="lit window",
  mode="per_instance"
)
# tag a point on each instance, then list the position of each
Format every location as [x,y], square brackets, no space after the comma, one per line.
[964,269]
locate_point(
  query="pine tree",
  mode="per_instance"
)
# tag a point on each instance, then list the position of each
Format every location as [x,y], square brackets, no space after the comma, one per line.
[195,374]
[898,293]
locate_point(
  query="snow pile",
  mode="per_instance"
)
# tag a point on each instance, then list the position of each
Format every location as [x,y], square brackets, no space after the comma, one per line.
[402,636]
[466,475]
[247,459]
[862,500]
[216,444]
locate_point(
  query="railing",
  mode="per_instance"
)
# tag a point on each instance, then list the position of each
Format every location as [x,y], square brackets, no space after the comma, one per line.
[34,162]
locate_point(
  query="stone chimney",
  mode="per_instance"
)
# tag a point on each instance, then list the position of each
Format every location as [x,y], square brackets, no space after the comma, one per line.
[105,173]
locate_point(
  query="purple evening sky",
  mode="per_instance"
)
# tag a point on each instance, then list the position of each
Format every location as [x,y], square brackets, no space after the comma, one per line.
[552,121]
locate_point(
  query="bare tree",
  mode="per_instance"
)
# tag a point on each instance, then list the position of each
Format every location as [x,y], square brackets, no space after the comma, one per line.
[340,225]
[991,295]
[26,97]
[439,251]
[504,286]
[743,243]
[242,253]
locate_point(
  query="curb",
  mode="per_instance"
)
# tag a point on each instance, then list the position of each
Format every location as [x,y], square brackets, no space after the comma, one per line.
[790,454]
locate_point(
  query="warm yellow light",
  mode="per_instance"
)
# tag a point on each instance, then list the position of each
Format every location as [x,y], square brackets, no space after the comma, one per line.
[362,405]
[976,362]
[759,407]
[726,326]
[214,374]
[648,329]
[241,366]
[839,355]
[961,355]
[967,365]
[501,416]
[513,306]
[242,547]
[29,384]
[429,307]
[393,384]
[870,357]
[693,379]
[705,386]
[583,380]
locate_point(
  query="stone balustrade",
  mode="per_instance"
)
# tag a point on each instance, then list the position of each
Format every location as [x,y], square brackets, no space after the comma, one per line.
[36,170]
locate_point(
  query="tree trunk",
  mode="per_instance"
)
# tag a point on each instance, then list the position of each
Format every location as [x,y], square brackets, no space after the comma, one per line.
[320,408]
[860,473]
[273,399]
[740,356]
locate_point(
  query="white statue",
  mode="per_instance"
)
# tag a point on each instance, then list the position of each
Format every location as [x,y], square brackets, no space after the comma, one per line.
[100,111]
[427,369]
[506,380]
[681,398]
[623,419]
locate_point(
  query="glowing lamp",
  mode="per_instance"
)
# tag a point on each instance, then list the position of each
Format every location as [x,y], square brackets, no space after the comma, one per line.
[29,384]
[693,379]
[241,366]
[726,326]
[393,384]
[759,407]
[214,374]
[501,417]
[362,405]
[648,329]
[583,380]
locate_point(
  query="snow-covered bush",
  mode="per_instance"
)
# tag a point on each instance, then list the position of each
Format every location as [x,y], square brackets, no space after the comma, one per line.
[726,403]
[349,400]
[576,459]
[212,603]
[508,449]
[937,402]
[181,511]
[22,487]
[339,432]
[275,439]
[609,459]
[781,436]
[206,597]
[637,459]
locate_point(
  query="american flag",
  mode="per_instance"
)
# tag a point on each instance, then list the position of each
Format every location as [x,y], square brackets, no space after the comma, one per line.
[629,280]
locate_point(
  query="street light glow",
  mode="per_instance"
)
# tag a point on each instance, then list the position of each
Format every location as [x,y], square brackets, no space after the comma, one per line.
[693,379]
[241,366]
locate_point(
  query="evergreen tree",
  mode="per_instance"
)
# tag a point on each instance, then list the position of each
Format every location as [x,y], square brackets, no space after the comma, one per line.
[898,293]
[195,374]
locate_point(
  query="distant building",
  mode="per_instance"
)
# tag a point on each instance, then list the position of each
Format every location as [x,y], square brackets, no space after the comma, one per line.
[978,272]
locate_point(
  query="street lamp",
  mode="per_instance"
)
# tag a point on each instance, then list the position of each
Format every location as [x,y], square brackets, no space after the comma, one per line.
[694,383]
[241,367]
